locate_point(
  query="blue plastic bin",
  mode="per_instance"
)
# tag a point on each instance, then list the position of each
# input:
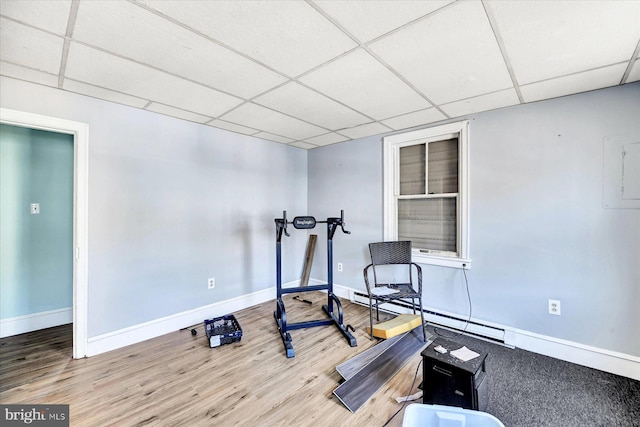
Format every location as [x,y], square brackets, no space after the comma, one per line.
[419,415]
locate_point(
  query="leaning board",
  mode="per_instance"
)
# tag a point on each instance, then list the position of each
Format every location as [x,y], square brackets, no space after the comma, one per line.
[359,388]
[352,366]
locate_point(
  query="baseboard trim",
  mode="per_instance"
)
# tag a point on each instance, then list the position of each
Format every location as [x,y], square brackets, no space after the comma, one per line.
[613,362]
[144,331]
[35,321]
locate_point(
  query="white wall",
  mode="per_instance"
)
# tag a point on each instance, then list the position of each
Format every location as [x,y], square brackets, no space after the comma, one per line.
[538,226]
[172,203]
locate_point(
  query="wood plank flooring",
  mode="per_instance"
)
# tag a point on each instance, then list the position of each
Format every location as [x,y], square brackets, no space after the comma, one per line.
[177,380]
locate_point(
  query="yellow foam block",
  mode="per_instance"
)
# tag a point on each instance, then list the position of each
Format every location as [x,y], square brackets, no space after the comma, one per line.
[396,326]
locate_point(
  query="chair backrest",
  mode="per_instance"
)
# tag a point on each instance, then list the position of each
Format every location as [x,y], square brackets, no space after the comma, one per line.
[390,252]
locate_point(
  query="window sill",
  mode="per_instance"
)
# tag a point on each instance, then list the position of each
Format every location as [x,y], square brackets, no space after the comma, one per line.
[441,260]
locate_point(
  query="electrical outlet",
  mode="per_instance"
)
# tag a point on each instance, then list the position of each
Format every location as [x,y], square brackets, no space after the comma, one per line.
[211,283]
[554,307]
[35,208]
[339,266]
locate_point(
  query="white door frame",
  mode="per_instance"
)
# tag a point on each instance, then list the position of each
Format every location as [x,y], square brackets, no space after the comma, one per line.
[80,132]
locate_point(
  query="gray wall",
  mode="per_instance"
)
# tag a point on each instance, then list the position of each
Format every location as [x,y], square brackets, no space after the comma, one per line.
[172,203]
[36,265]
[538,227]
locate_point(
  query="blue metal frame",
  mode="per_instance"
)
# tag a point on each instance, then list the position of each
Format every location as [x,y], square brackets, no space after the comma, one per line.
[281,314]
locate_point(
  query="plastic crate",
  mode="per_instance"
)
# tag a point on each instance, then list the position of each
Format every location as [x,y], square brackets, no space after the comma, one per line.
[222,330]
[420,415]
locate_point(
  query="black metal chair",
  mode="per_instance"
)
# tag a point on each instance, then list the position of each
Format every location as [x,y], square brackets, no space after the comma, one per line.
[396,256]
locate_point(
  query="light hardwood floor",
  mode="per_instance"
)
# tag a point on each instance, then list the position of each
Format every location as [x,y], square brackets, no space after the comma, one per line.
[177,380]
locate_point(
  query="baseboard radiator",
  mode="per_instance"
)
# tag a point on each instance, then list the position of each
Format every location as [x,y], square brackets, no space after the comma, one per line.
[444,320]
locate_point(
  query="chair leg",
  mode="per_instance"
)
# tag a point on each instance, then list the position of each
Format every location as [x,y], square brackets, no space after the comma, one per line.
[377,310]
[424,327]
[370,319]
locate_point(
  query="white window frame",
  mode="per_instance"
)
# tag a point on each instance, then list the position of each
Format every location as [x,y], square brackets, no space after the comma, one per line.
[391,179]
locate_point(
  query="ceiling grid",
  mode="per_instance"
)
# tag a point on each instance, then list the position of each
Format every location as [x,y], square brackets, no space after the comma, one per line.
[310,73]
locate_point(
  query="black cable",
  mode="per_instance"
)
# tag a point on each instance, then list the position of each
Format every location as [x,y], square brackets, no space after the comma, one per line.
[464,271]
[408,394]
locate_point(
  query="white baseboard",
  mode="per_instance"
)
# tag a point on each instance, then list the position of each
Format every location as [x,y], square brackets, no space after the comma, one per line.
[144,331]
[613,362]
[36,321]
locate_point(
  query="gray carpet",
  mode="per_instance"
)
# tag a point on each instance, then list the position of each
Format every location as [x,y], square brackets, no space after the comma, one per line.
[528,389]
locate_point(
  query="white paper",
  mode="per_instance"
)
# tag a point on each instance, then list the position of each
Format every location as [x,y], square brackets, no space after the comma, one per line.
[464,354]
[414,396]
[383,290]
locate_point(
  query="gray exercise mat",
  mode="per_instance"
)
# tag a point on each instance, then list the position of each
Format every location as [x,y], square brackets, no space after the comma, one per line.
[359,388]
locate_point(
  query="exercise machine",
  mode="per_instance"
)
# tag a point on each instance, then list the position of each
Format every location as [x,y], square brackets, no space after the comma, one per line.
[306,223]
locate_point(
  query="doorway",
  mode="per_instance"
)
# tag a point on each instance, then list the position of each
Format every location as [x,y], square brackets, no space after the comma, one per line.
[79,132]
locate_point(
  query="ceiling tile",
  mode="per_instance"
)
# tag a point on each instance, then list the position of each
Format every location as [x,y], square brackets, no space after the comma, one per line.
[112,72]
[176,112]
[271,137]
[416,118]
[221,124]
[490,101]
[367,20]
[449,56]
[361,82]
[634,75]
[101,93]
[29,47]
[232,127]
[45,14]
[131,31]
[326,139]
[272,121]
[28,74]
[306,104]
[289,36]
[574,83]
[545,39]
[365,130]
[301,144]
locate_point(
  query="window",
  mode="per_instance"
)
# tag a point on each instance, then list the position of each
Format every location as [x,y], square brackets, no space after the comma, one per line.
[426,193]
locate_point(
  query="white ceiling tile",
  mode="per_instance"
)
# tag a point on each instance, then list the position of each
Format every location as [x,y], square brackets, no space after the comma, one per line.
[365,130]
[112,72]
[545,39]
[367,20]
[232,127]
[301,144]
[306,104]
[450,55]
[28,74]
[326,139]
[101,93]
[361,82]
[176,112]
[290,36]
[490,101]
[634,75]
[131,31]
[45,14]
[575,83]
[271,137]
[272,121]
[29,47]
[416,118]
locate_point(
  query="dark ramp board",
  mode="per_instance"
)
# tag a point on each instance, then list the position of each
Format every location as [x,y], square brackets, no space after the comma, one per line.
[352,366]
[355,392]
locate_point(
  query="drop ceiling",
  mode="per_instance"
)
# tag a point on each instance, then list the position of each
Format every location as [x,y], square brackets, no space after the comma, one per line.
[313,73]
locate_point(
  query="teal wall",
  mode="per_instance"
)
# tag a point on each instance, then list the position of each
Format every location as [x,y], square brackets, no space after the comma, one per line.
[36,256]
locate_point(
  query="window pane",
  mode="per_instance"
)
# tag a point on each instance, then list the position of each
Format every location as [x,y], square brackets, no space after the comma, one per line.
[412,169]
[443,166]
[428,223]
